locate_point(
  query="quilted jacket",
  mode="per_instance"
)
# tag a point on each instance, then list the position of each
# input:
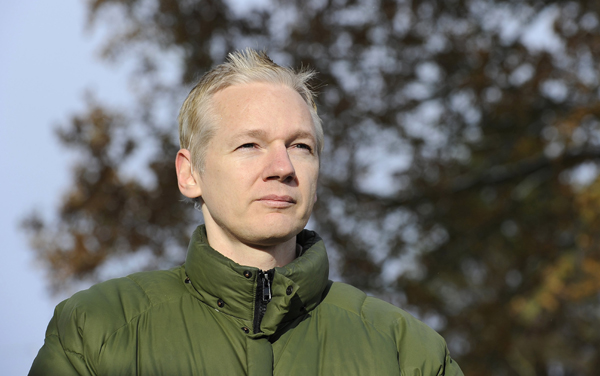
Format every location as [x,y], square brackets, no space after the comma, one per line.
[212,316]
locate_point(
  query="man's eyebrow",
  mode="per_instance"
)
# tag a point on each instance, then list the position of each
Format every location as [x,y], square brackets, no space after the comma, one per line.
[260,133]
[304,134]
[255,133]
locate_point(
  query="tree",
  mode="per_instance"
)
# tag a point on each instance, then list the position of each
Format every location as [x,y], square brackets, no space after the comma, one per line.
[459,180]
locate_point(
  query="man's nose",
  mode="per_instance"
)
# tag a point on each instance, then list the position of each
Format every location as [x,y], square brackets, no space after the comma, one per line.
[279,165]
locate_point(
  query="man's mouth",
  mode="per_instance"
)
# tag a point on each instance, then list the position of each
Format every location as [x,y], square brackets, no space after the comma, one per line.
[277,201]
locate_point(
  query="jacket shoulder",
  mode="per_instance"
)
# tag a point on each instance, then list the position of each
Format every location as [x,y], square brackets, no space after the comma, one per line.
[102,309]
[369,308]
[382,315]
[417,344]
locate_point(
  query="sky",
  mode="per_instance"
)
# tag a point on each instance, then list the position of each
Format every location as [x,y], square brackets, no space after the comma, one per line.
[48,60]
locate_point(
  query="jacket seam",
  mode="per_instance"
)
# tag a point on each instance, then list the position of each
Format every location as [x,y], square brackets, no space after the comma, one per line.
[361,315]
[65,349]
[135,317]
[385,334]
[75,353]
[80,356]
[151,305]
[128,323]
[141,288]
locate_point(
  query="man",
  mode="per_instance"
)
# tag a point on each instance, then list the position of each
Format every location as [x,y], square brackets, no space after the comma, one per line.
[253,297]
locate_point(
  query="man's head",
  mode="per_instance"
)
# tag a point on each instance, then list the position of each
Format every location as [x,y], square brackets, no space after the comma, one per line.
[197,120]
[254,140]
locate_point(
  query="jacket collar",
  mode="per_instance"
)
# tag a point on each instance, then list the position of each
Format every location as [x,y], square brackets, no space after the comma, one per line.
[217,279]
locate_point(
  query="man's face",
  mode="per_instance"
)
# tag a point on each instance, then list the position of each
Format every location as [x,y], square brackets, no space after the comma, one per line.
[260,174]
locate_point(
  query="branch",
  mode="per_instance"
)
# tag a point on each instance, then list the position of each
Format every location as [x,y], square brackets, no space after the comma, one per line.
[496,175]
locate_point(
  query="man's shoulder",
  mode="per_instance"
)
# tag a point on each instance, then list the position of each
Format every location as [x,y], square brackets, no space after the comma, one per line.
[385,327]
[115,302]
[150,285]
[350,298]
[384,317]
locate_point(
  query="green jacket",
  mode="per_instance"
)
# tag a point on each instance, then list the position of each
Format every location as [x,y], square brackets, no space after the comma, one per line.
[212,316]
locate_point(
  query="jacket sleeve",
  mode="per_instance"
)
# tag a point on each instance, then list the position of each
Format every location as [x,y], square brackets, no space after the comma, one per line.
[421,350]
[53,358]
[451,368]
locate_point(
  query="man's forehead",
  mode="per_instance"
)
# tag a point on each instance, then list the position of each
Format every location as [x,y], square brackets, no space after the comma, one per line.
[255,104]
[249,93]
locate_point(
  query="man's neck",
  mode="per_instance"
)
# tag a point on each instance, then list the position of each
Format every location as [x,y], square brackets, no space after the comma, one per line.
[261,257]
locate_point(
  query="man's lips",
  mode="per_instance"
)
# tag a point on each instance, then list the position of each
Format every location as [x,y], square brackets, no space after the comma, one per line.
[277,201]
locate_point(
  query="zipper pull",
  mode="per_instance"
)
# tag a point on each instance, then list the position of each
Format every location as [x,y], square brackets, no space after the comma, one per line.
[266,288]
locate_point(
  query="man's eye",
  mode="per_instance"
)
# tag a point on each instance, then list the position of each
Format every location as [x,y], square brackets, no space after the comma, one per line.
[303,146]
[247,146]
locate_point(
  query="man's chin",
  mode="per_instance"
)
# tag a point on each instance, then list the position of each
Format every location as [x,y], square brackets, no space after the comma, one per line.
[273,239]
[275,235]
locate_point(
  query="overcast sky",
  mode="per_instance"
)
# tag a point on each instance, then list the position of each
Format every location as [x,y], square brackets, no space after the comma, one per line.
[47,62]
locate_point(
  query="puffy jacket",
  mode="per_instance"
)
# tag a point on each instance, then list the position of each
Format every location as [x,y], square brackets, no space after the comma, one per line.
[212,316]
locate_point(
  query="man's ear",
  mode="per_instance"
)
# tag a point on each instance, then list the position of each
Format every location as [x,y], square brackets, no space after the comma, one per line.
[186,179]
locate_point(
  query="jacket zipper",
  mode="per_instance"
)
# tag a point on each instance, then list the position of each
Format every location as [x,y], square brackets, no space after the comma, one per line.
[263,297]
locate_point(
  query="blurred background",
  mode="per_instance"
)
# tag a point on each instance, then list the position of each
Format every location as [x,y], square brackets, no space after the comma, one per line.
[459,180]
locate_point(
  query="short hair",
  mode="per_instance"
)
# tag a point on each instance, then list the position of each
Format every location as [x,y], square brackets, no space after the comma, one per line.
[197,120]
